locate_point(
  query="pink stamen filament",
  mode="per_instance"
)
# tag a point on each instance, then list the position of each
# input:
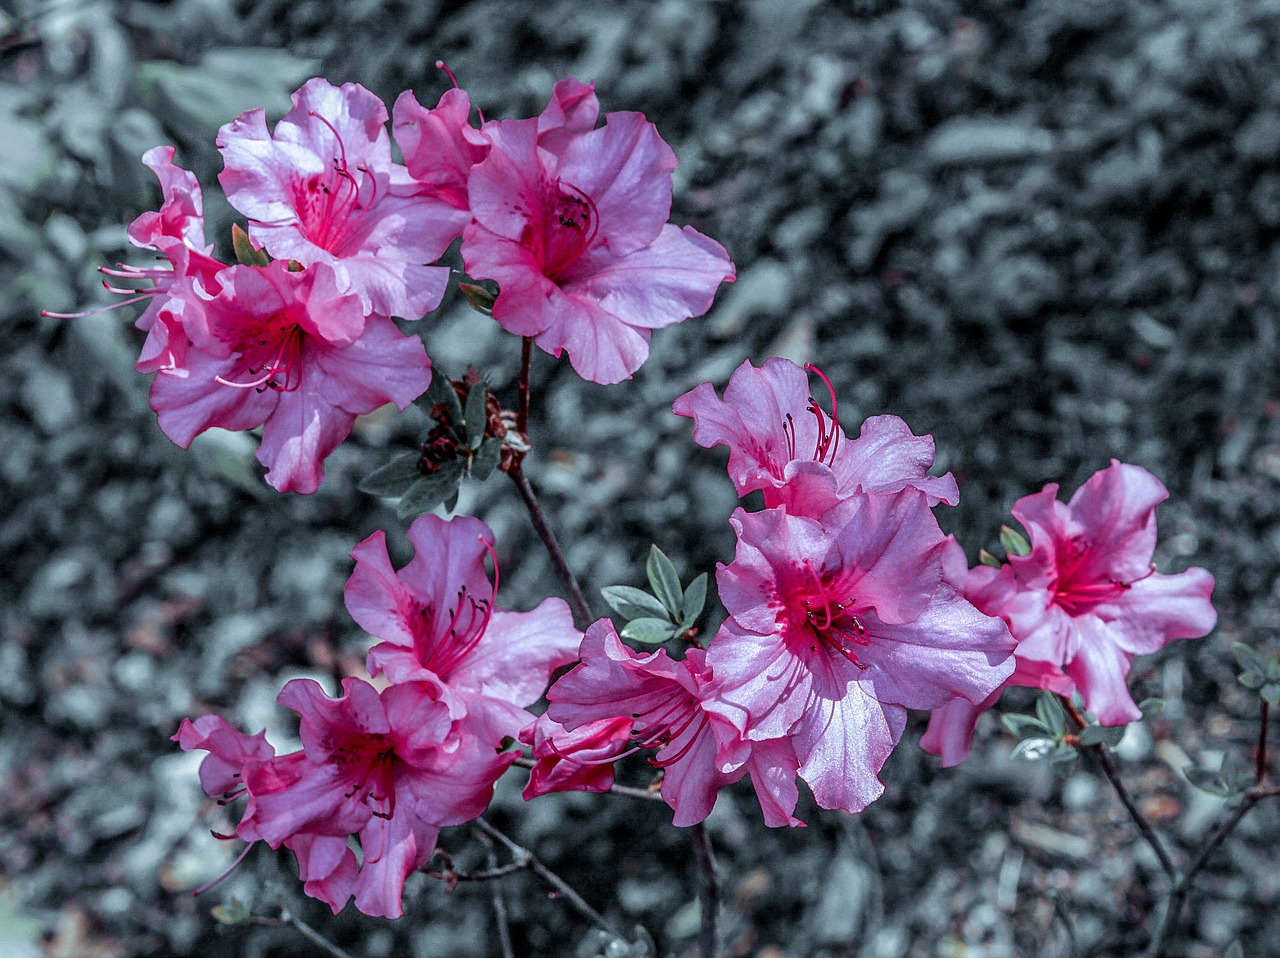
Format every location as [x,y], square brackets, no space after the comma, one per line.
[441,65]
[828,427]
[287,358]
[226,874]
[464,634]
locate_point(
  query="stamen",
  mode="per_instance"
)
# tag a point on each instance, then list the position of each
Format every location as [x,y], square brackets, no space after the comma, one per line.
[226,874]
[827,442]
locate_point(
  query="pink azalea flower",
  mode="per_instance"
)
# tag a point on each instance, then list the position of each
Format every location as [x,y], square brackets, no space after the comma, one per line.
[288,351]
[438,623]
[390,768]
[320,190]
[440,146]
[664,701]
[782,442]
[1087,598]
[581,760]
[837,627]
[571,222]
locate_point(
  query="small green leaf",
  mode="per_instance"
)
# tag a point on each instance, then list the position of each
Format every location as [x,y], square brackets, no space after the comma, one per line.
[1250,660]
[1020,726]
[1273,667]
[478,298]
[506,743]
[430,491]
[1251,679]
[1150,708]
[441,393]
[234,912]
[452,502]
[695,598]
[1102,735]
[394,478]
[1051,713]
[1064,757]
[633,603]
[246,253]
[477,414]
[486,459]
[1270,693]
[1034,749]
[1206,780]
[1014,542]
[986,558]
[648,630]
[664,580]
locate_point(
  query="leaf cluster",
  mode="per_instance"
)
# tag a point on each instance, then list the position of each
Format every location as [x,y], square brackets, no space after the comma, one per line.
[671,610]
[1258,672]
[1046,735]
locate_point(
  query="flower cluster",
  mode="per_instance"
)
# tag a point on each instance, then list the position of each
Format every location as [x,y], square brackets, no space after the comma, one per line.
[298,335]
[392,766]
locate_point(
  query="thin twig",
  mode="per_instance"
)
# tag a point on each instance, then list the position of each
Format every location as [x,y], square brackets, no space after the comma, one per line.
[615,788]
[577,601]
[522,401]
[551,878]
[1109,770]
[317,939]
[495,890]
[1065,917]
[708,889]
[1260,771]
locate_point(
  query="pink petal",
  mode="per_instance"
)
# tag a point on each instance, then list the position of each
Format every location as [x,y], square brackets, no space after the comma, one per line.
[518,653]
[1101,669]
[842,745]
[191,400]
[383,365]
[1159,608]
[301,432]
[375,597]
[573,110]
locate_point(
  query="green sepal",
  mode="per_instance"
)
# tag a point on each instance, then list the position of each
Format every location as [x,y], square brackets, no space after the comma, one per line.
[987,559]
[650,631]
[1150,708]
[665,581]
[430,491]
[1014,542]
[632,603]
[394,478]
[478,298]
[246,253]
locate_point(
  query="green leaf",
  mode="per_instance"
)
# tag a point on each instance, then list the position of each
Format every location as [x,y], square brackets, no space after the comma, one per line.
[1251,679]
[394,478]
[1063,758]
[430,491]
[631,603]
[664,580]
[1034,749]
[477,414]
[1014,542]
[695,598]
[452,502]
[1020,726]
[486,459]
[1250,660]
[234,912]
[1102,735]
[246,253]
[1150,708]
[1270,693]
[650,631]
[1051,713]
[442,393]
[986,558]
[1206,780]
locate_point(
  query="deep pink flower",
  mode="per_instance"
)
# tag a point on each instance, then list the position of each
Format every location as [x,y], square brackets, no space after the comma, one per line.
[438,623]
[837,627]
[782,442]
[289,350]
[322,189]
[581,760]
[666,703]
[390,767]
[1087,598]
[571,222]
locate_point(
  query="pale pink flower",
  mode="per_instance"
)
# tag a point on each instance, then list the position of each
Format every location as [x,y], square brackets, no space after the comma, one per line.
[288,351]
[782,442]
[439,623]
[321,189]
[837,627]
[580,760]
[571,222]
[1087,598]
[389,767]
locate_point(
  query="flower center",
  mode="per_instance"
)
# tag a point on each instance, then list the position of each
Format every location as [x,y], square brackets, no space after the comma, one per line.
[1077,591]
[367,765]
[270,354]
[823,616]
[440,648]
[672,725]
[330,205]
[827,440]
[569,225]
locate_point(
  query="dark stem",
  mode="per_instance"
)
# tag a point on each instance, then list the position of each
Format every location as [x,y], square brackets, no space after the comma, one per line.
[1109,770]
[616,789]
[578,602]
[317,939]
[708,889]
[522,401]
[499,904]
[1261,768]
[1065,917]
[551,878]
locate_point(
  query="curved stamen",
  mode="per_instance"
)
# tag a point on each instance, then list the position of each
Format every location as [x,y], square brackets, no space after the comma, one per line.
[226,874]
[828,442]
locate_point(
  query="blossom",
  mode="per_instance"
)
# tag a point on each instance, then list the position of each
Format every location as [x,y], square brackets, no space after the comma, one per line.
[389,767]
[1086,599]
[571,222]
[581,760]
[782,442]
[837,627]
[289,351]
[322,188]
[438,623]
[664,702]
